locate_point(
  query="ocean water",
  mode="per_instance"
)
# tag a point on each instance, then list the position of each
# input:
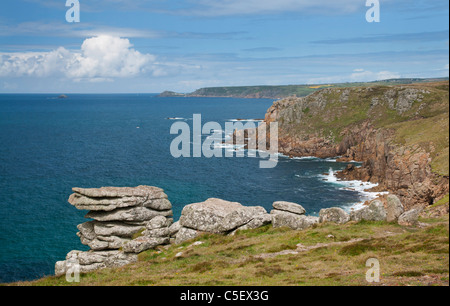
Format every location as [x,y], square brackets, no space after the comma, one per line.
[49,145]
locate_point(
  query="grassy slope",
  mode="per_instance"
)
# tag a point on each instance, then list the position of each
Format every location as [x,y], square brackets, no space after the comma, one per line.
[408,256]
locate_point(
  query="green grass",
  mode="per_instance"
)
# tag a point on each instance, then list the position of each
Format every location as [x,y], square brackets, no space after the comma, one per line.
[407,257]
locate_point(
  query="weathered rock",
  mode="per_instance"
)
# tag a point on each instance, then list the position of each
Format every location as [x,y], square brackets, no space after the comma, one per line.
[115,229]
[87,230]
[394,208]
[218,216]
[158,233]
[159,222]
[334,214]
[111,198]
[186,234]
[126,221]
[374,212]
[240,217]
[293,221]
[289,207]
[128,214]
[174,228]
[101,243]
[144,243]
[410,218]
[207,216]
[120,192]
[257,222]
[91,261]
[158,204]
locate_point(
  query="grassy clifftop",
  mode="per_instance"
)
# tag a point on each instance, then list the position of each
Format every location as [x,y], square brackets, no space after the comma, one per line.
[328,254]
[278,92]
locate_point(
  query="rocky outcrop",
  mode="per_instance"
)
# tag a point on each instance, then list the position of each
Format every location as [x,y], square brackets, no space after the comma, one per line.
[291,215]
[374,212]
[394,208]
[410,218]
[126,222]
[219,217]
[334,214]
[129,221]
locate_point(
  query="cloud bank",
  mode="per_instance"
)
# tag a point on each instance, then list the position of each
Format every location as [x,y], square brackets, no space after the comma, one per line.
[101,57]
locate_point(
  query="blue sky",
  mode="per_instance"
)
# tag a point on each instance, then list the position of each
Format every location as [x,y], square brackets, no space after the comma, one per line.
[156,45]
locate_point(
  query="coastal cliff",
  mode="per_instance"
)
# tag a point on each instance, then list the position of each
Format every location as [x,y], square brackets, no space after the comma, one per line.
[285,91]
[400,133]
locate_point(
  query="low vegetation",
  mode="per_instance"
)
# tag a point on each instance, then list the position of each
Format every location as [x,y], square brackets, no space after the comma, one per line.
[277,92]
[328,254]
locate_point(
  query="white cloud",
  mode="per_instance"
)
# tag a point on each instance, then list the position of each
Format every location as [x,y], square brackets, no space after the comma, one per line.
[101,57]
[257,7]
[358,75]
[363,76]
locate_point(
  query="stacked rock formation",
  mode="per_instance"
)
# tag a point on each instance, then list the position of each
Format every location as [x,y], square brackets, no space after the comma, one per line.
[126,222]
[219,217]
[292,215]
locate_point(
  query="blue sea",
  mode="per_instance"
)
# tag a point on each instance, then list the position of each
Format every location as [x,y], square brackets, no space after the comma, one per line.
[49,145]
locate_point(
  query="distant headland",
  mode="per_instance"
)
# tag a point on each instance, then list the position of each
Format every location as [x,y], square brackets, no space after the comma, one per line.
[280,92]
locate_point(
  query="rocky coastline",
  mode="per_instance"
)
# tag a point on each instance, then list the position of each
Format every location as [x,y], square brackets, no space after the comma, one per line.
[363,125]
[358,124]
[128,221]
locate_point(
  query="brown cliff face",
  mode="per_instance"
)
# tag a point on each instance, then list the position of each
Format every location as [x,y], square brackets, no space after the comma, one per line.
[365,125]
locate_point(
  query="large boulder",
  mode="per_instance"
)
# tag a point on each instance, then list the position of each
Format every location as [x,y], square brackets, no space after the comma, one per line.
[291,215]
[89,261]
[333,214]
[394,208]
[218,216]
[289,207]
[410,218]
[293,221]
[374,212]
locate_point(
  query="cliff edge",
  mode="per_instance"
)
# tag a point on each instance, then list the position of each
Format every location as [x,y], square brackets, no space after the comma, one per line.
[400,133]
